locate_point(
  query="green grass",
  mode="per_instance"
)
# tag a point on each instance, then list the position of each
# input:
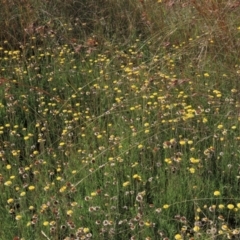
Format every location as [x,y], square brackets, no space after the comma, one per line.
[119,120]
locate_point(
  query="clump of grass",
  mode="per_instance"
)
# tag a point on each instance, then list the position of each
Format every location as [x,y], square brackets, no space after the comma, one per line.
[121,129]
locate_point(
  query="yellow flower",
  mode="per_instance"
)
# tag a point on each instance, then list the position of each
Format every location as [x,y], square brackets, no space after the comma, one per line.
[147,224]
[196,228]
[126,184]
[137,177]
[135,164]
[18,217]
[35,152]
[22,194]
[168,160]
[230,206]
[69,212]
[178,237]
[8,167]
[182,142]
[46,223]
[93,194]
[62,189]
[205,120]
[8,183]
[224,227]
[206,75]
[192,170]
[221,206]
[31,188]
[194,160]
[216,193]
[86,230]
[10,200]
[165,206]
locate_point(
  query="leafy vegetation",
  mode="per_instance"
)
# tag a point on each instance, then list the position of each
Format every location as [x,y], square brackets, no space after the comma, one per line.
[119,119]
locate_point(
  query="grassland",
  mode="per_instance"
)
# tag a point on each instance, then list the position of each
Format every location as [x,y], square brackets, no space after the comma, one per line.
[120,120]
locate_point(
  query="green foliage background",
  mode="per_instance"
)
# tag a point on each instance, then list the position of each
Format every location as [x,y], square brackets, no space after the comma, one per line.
[119,119]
